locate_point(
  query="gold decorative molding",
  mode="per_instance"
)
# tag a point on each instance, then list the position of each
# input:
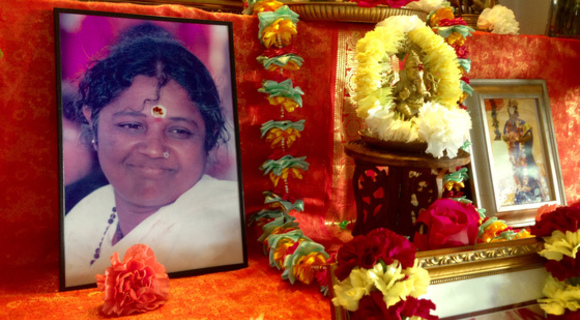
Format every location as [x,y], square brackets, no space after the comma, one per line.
[481,260]
[349,12]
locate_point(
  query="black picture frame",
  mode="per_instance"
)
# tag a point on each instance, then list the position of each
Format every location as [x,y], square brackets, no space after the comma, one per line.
[203,229]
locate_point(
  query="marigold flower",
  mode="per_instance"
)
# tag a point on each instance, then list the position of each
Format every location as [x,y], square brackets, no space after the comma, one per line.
[456,39]
[279,33]
[443,13]
[304,269]
[267,5]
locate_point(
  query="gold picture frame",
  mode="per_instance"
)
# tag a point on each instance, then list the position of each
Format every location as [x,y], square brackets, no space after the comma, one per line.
[514,155]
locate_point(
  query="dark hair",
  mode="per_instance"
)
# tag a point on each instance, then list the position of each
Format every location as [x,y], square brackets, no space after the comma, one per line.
[151,51]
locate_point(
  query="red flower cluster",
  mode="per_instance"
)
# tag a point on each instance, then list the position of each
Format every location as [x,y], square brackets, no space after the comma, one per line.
[365,251]
[452,22]
[372,307]
[138,284]
[390,3]
[563,219]
[447,223]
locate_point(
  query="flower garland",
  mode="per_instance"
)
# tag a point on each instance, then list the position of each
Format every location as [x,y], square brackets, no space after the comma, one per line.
[287,248]
[560,230]
[443,126]
[379,278]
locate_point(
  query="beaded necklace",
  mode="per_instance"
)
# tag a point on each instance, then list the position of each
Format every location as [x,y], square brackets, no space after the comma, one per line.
[110,221]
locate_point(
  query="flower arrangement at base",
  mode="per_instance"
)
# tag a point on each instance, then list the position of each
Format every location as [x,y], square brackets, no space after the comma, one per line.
[560,230]
[137,284]
[415,102]
[379,278]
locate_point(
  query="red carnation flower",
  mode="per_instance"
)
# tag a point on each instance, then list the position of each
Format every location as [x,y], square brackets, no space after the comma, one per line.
[461,51]
[366,251]
[394,247]
[452,22]
[138,284]
[563,219]
[564,269]
[372,307]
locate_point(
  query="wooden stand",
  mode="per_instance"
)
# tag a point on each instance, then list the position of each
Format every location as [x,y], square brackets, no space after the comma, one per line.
[390,187]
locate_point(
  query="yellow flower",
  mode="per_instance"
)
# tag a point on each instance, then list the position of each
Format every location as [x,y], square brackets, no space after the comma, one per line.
[265,5]
[454,184]
[280,250]
[560,244]
[492,230]
[385,279]
[352,289]
[560,296]
[303,269]
[290,66]
[286,172]
[277,135]
[279,33]
[524,233]
[456,39]
[287,103]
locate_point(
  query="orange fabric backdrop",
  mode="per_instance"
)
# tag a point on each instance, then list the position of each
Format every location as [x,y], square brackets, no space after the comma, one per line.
[29,210]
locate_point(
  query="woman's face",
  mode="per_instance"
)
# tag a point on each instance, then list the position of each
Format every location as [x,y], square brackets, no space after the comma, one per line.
[151,160]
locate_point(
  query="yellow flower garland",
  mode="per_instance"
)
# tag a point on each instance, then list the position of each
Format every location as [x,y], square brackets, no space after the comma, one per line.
[374,54]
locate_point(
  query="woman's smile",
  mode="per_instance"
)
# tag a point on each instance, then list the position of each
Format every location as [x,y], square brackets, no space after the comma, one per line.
[151,161]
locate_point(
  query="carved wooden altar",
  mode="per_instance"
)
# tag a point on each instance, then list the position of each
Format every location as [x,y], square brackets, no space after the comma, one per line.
[391,187]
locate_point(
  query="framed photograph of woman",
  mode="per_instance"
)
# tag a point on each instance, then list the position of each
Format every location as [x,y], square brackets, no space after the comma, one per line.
[514,155]
[149,143]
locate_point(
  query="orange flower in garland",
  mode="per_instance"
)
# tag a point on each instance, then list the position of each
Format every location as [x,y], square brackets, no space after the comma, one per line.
[456,39]
[304,261]
[287,103]
[282,133]
[443,13]
[277,28]
[283,94]
[263,6]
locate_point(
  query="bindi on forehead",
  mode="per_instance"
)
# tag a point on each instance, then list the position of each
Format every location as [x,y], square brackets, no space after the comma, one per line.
[158,111]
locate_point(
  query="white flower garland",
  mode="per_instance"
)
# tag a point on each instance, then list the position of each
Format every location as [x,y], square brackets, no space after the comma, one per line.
[444,126]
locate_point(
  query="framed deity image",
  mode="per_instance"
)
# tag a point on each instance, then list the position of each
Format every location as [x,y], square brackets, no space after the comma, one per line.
[149,143]
[514,155]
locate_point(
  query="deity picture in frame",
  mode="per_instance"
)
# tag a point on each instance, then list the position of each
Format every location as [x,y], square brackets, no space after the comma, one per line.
[149,143]
[515,161]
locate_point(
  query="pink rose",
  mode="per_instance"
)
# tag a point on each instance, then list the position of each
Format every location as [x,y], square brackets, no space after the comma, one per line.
[138,284]
[446,223]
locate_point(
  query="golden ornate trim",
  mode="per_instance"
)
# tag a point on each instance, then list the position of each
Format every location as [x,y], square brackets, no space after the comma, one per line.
[481,260]
[349,12]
